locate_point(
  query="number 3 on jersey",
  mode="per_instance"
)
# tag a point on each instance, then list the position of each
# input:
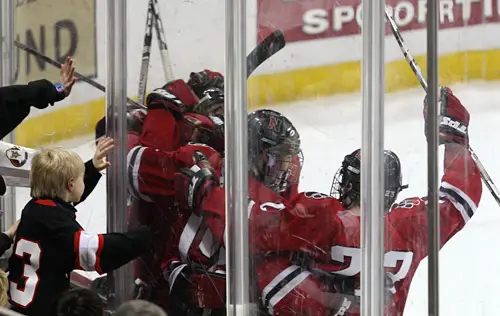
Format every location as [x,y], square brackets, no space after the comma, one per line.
[392,260]
[24,296]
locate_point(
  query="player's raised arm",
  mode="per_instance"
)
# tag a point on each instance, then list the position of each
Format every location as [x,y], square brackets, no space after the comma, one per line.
[461,188]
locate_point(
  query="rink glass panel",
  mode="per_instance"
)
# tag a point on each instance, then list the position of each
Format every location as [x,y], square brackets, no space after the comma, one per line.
[322,60]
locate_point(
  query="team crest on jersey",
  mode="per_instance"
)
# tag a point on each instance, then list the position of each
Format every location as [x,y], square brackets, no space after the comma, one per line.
[275,124]
[17,156]
[315,195]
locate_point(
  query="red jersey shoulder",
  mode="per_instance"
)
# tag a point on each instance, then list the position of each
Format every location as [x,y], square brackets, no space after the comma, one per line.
[310,203]
[260,193]
[406,209]
[413,203]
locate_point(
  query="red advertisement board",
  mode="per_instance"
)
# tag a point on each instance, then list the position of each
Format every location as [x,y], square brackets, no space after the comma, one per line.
[303,20]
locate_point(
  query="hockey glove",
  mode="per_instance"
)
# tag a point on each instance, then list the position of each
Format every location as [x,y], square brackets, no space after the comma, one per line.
[453,119]
[342,290]
[344,304]
[390,286]
[175,95]
[196,288]
[135,118]
[207,130]
[177,273]
[203,80]
[193,184]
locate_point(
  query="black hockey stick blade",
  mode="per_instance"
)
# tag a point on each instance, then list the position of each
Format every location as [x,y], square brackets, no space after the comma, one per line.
[77,75]
[272,44]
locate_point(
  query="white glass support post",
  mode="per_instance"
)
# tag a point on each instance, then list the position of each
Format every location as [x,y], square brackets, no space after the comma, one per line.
[372,162]
[120,281]
[8,201]
[433,156]
[235,106]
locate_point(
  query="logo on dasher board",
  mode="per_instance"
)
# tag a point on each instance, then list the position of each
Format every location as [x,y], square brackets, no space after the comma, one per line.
[17,156]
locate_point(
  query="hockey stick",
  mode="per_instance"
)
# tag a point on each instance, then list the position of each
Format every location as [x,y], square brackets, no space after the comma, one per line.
[162,42]
[420,76]
[77,75]
[146,55]
[272,44]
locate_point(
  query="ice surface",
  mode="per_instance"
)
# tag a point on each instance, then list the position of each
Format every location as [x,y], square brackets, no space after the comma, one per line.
[331,128]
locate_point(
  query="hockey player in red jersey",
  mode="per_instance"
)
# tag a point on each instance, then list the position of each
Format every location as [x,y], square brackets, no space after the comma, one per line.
[157,141]
[336,249]
[188,241]
[162,129]
[197,277]
[151,173]
[329,236]
[332,239]
[273,144]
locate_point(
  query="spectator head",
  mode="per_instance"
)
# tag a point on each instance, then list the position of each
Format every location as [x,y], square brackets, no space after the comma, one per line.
[80,302]
[57,172]
[4,288]
[139,307]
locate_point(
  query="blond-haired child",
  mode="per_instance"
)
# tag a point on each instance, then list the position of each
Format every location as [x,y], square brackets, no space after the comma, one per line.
[50,243]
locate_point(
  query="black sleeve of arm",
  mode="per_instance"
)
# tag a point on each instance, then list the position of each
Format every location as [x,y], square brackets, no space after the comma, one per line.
[16,100]
[120,248]
[91,178]
[90,251]
[5,243]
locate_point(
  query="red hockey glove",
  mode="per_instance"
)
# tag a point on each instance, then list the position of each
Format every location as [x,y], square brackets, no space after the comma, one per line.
[175,95]
[193,184]
[135,118]
[207,130]
[201,81]
[454,118]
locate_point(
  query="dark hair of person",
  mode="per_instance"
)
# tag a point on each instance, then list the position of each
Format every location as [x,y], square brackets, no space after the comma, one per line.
[80,302]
